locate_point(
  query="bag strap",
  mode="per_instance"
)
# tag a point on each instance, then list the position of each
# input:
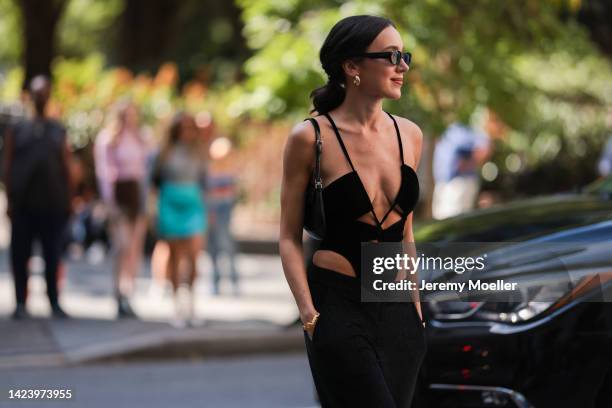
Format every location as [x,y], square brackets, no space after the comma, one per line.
[318,149]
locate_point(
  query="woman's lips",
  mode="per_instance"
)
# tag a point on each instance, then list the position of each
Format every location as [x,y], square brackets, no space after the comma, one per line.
[398,81]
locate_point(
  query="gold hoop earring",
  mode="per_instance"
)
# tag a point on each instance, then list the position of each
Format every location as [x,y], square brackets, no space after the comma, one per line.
[356,80]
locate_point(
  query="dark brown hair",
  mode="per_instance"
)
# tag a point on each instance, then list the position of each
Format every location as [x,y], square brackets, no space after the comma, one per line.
[347,38]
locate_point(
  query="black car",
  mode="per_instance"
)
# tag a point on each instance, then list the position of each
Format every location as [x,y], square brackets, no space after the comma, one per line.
[520,353]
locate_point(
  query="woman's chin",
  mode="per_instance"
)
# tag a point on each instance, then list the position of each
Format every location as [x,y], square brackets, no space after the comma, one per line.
[395,94]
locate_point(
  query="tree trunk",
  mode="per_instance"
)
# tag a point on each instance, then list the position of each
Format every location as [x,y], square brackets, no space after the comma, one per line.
[147,28]
[596,16]
[39,26]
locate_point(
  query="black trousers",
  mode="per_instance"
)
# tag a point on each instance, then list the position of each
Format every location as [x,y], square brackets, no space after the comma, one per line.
[362,354]
[50,230]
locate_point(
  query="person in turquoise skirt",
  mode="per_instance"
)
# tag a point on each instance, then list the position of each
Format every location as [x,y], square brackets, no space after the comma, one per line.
[182,213]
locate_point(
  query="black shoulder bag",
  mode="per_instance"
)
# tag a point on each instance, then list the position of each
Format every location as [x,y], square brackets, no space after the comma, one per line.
[314,210]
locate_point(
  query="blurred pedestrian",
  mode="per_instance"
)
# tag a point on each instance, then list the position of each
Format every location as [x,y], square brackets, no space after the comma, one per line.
[160,278]
[160,255]
[39,191]
[221,196]
[458,157]
[182,212]
[605,161]
[122,151]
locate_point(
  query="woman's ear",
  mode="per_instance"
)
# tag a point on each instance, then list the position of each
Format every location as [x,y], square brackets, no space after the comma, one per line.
[350,68]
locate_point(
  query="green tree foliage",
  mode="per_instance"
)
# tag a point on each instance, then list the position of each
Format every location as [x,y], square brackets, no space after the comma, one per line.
[539,71]
[86,27]
[10,46]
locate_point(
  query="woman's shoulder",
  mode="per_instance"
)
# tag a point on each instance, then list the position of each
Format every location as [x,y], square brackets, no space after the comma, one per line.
[103,137]
[302,135]
[412,138]
[408,127]
[299,146]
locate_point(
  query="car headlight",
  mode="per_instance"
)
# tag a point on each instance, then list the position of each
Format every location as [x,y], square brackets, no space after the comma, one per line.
[530,299]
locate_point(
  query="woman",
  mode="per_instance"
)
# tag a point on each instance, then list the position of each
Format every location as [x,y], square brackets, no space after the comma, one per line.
[361,354]
[221,197]
[121,167]
[182,219]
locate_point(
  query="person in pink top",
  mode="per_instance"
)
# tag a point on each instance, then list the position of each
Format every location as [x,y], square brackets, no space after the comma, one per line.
[121,154]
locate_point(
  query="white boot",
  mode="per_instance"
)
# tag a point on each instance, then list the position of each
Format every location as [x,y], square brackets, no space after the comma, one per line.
[180,320]
[193,321]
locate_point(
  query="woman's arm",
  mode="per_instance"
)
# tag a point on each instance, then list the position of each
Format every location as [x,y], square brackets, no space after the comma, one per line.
[414,147]
[298,163]
[102,166]
[71,181]
[410,250]
[6,163]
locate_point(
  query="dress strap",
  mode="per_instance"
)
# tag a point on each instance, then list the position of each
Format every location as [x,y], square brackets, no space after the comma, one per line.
[399,138]
[340,140]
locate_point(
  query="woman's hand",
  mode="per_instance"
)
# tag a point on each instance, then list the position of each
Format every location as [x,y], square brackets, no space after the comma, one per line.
[419,312]
[307,317]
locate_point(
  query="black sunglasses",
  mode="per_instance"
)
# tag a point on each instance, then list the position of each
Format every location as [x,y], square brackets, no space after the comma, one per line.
[393,56]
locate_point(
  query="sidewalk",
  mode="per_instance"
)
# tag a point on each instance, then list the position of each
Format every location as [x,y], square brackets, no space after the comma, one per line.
[47,342]
[253,322]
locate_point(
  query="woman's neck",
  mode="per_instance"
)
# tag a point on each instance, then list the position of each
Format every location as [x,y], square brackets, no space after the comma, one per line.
[363,111]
